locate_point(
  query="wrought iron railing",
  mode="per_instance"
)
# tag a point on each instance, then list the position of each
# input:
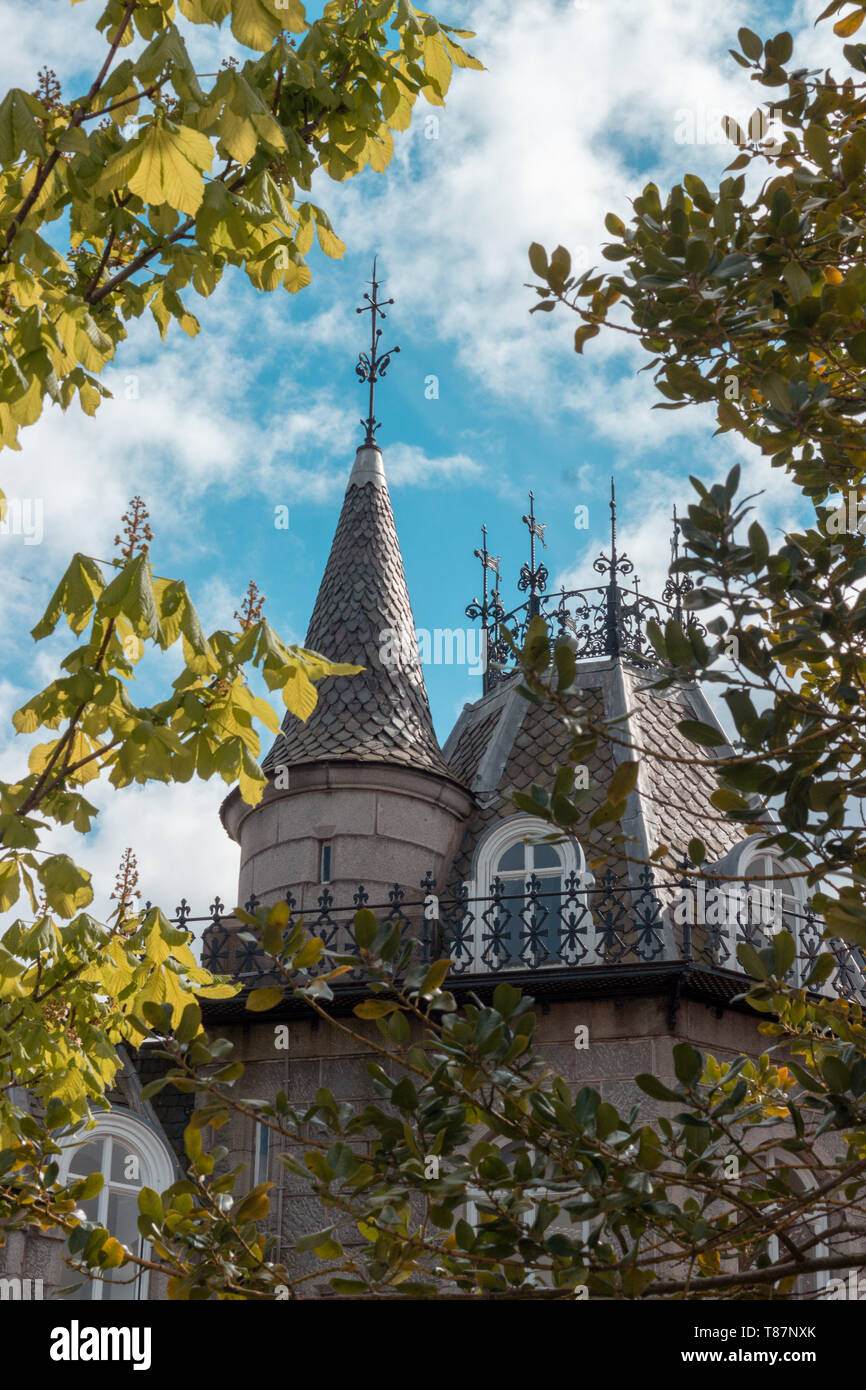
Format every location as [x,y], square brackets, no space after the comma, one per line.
[604,620]
[537,929]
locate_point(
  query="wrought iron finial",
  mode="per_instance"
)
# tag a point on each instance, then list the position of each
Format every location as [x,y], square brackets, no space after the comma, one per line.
[532,577]
[613,522]
[372,366]
[617,564]
[607,620]
[678,584]
[488,562]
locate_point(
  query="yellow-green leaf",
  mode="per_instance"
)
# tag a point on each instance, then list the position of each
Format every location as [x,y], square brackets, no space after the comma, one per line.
[263,999]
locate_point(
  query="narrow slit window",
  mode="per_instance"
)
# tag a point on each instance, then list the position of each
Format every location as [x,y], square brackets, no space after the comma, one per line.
[325,862]
[263,1151]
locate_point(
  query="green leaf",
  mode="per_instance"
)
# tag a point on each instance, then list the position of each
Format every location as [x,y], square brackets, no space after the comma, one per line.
[256,24]
[538,260]
[19,132]
[797,281]
[759,544]
[687,1063]
[751,961]
[374,1008]
[365,927]
[309,953]
[821,971]
[314,1240]
[67,887]
[836,1074]
[405,1095]
[434,978]
[150,1205]
[622,782]
[260,1000]
[651,1086]
[704,734]
[750,43]
[785,950]
[9,884]
[162,166]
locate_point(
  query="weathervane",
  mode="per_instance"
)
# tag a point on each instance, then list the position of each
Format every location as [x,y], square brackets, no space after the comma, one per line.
[490,607]
[372,366]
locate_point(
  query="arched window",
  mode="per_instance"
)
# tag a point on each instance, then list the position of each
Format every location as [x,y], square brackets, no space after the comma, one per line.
[528,899]
[130,1156]
[772,898]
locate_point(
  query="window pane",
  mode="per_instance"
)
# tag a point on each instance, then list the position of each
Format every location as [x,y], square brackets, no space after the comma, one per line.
[123,1225]
[125,1163]
[526,931]
[547,857]
[542,922]
[263,1148]
[88,1158]
[513,858]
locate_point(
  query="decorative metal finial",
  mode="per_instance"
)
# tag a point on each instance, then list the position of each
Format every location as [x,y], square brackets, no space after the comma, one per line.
[615,616]
[489,610]
[613,523]
[372,366]
[606,620]
[617,564]
[678,584]
[531,577]
[489,605]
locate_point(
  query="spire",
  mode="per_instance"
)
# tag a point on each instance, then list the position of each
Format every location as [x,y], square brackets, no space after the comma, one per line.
[362,615]
[372,366]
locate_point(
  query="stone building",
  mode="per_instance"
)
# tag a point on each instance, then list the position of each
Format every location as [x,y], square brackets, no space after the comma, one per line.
[363,807]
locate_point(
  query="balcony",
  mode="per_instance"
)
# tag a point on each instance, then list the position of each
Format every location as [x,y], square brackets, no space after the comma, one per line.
[583,933]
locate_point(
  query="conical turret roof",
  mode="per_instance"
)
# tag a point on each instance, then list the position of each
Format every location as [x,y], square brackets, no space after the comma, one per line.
[363,615]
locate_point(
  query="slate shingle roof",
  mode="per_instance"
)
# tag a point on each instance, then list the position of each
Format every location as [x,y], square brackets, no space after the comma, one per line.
[472,745]
[539,747]
[380,715]
[676,805]
[673,799]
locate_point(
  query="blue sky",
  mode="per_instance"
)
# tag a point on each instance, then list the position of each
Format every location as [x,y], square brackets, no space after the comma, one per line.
[581,103]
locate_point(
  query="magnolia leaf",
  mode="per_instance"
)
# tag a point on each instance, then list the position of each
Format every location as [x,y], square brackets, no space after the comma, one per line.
[260,1000]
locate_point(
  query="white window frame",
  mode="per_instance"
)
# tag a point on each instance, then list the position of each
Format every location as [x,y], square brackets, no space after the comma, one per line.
[516,830]
[770,861]
[158,1172]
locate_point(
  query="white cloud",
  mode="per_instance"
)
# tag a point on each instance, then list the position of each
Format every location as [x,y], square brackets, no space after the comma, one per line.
[408,465]
[579,106]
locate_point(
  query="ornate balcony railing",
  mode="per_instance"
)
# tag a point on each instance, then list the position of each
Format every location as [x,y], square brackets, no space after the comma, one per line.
[535,929]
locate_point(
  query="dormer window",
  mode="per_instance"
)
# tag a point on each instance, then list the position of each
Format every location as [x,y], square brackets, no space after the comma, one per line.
[529,900]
